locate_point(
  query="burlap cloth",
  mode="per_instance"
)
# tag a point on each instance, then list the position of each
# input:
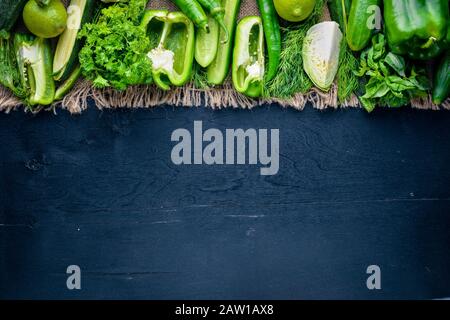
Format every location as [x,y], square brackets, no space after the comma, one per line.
[188,96]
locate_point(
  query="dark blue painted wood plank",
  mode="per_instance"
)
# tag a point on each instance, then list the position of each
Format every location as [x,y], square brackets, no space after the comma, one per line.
[99,190]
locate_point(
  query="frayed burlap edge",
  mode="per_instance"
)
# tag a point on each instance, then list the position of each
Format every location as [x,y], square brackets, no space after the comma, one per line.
[224,97]
[7,100]
[216,98]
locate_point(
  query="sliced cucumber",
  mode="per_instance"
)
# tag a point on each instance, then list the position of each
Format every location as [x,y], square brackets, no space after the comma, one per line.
[206,44]
[67,85]
[68,47]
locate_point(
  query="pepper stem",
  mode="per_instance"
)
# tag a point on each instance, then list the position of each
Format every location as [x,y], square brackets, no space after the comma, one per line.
[225,29]
[42,3]
[429,43]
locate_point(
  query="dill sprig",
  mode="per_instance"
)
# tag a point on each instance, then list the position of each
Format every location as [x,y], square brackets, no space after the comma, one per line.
[347,81]
[199,77]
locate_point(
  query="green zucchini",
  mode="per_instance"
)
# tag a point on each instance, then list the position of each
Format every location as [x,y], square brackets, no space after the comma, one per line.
[361,14]
[206,44]
[68,47]
[67,85]
[218,70]
[10,10]
[441,85]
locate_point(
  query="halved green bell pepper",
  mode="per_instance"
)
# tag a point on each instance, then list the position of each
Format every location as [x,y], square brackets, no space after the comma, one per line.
[172,39]
[34,60]
[248,57]
[416,28]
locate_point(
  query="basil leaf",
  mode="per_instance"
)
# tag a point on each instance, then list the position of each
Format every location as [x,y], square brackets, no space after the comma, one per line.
[396,62]
[376,89]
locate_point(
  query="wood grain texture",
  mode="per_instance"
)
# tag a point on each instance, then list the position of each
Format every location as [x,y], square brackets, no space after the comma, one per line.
[99,190]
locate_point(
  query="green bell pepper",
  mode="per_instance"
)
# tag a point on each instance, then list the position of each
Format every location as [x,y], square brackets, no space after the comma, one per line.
[248,57]
[416,28]
[34,60]
[172,42]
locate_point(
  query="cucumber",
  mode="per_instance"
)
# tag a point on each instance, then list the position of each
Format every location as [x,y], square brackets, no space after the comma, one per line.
[206,44]
[218,70]
[441,85]
[358,32]
[67,85]
[10,10]
[68,47]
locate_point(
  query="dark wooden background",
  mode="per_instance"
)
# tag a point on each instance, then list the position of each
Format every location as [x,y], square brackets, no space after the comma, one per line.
[99,191]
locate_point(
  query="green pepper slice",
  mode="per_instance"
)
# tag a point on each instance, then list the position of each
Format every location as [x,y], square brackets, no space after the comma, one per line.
[248,57]
[416,28]
[34,59]
[172,46]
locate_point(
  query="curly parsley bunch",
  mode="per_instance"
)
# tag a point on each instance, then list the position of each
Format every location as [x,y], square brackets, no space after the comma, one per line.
[115,49]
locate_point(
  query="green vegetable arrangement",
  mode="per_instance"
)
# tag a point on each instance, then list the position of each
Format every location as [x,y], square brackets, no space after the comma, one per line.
[284,51]
[116,47]
[391,82]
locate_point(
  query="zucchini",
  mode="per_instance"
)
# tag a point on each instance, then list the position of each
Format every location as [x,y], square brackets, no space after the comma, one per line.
[358,33]
[67,85]
[68,47]
[10,10]
[218,70]
[206,44]
[441,85]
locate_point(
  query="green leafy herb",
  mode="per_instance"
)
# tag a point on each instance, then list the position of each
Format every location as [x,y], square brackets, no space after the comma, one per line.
[347,81]
[386,76]
[291,78]
[199,77]
[115,51]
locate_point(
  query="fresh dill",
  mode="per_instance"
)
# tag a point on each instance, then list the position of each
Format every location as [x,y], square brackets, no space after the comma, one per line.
[347,81]
[199,77]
